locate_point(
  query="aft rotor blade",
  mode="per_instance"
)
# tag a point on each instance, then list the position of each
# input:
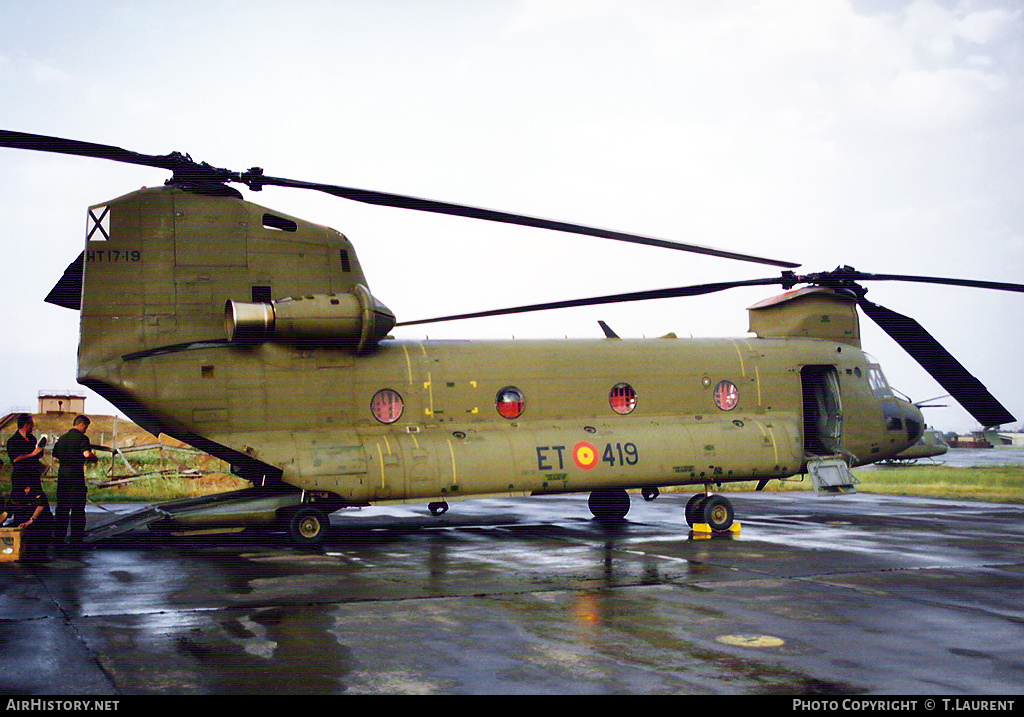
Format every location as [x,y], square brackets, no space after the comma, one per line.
[185,169]
[58,145]
[402,201]
[671,293]
[937,361]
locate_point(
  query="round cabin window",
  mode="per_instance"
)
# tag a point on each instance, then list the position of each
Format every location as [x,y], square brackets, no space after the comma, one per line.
[510,402]
[726,395]
[622,398]
[387,405]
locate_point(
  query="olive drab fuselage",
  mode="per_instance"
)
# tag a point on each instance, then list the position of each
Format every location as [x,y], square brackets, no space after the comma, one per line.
[310,389]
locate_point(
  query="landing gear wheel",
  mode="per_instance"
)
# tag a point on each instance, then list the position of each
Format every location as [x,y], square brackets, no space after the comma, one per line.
[650,493]
[438,507]
[610,504]
[717,512]
[694,512]
[308,526]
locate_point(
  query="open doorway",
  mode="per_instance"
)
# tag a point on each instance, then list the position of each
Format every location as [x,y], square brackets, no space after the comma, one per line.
[823,410]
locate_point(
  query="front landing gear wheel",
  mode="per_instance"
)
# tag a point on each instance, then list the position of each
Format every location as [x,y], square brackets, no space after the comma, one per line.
[718,512]
[693,512]
[610,504]
[308,526]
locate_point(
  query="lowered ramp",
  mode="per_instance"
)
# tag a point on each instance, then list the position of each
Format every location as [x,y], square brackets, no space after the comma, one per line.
[221,512]
[132,521]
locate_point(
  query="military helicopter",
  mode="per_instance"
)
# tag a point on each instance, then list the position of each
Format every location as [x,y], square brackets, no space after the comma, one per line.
[930,444]
[253,335]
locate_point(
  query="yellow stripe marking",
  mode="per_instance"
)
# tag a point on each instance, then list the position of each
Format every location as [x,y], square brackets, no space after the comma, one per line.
[769,434]
[408,363]
[429,385]
[743,368]
[451,451]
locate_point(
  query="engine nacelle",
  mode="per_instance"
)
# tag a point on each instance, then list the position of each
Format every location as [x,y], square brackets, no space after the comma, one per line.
[354,319]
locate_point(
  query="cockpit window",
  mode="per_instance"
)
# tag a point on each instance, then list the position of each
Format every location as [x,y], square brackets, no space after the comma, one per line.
[892,415]
[879,386]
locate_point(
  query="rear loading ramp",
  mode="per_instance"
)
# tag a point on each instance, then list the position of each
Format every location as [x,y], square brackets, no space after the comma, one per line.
[220,512]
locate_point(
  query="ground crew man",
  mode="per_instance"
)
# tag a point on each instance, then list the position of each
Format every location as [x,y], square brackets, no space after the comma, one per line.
[28,503]
[24,453]
[73,450]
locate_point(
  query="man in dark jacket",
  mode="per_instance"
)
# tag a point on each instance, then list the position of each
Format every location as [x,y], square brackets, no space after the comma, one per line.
[24,453]
[29,507]
[30,511]
[73,450]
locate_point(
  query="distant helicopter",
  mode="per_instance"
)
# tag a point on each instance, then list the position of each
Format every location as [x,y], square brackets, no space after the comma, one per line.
[928,446]
[253,335]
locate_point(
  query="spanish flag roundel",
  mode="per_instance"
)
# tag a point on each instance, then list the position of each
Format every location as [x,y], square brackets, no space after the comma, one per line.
[584,455]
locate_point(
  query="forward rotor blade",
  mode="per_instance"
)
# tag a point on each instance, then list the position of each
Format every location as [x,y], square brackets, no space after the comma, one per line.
[951,375]
[695,290]
[974,283]
[368,196]
[927,403]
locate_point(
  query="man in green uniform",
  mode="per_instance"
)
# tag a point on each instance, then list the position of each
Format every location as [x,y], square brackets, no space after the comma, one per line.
[73,450]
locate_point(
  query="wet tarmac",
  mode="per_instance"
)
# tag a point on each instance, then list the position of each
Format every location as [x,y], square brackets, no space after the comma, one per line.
[969,458]
[858,595]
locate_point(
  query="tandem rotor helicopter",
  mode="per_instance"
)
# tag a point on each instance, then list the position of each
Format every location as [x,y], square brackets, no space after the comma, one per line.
[253,335]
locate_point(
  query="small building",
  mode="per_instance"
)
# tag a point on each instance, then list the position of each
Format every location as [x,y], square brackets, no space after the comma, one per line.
[59,402]
[974,440]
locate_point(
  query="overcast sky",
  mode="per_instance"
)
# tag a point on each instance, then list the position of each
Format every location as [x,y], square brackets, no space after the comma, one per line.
[888,136]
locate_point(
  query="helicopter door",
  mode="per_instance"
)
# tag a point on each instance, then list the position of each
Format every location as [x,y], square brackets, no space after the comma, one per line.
[823,410]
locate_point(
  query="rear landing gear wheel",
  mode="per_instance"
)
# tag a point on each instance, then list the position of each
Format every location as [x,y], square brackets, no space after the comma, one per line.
[610,504]
[308,526]
[438,507]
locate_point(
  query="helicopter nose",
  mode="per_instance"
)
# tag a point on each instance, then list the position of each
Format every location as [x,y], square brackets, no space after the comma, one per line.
[913,420]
